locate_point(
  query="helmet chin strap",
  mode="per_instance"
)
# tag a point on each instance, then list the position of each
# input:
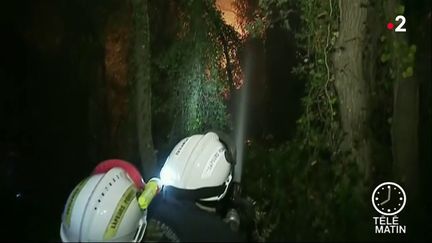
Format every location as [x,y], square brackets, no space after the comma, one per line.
[141,228]
[209,209]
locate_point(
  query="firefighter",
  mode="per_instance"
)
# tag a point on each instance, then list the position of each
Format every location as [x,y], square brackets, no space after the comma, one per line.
[110,204]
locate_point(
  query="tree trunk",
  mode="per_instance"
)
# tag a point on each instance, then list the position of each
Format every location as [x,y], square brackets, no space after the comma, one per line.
[350,83]
[117,42]
[405,134]
[141,86]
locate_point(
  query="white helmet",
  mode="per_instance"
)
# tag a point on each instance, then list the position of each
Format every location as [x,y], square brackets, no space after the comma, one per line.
[199,167]
[104,207]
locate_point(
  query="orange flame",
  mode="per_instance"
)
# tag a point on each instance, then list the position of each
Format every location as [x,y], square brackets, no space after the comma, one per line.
[229,14]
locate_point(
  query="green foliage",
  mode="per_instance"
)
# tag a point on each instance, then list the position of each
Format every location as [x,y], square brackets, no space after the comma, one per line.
[400,9]
[194,65]
[303,196]
[268,15]
[307,188]
[398,55]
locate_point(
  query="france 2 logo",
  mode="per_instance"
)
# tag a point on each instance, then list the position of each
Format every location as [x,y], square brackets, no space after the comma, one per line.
[399,28]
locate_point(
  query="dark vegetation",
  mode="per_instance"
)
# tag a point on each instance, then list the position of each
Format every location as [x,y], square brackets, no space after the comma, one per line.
[329,119]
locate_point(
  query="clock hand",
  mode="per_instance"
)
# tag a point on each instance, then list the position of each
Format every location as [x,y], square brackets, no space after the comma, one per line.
[388,197]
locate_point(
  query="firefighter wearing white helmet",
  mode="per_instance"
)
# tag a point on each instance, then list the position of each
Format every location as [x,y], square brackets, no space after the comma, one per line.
[199,167]
[104,207]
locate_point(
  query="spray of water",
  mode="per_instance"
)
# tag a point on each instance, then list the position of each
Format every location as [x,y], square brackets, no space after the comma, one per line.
[241,122]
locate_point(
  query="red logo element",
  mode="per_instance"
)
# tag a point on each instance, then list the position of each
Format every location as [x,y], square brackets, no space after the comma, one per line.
[390,26]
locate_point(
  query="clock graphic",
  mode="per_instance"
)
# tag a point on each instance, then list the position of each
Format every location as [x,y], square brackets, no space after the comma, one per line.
[388,198]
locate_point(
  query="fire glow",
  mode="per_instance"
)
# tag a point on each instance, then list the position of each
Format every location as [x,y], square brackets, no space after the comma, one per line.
[229,14]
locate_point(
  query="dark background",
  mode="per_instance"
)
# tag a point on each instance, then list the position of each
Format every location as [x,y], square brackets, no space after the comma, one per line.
[50,53]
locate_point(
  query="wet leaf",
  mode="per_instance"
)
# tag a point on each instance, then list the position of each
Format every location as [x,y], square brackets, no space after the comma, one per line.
[400,9]
[385,57]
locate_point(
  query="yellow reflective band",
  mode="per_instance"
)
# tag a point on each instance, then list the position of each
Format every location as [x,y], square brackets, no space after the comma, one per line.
[71,201]
[119,212]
